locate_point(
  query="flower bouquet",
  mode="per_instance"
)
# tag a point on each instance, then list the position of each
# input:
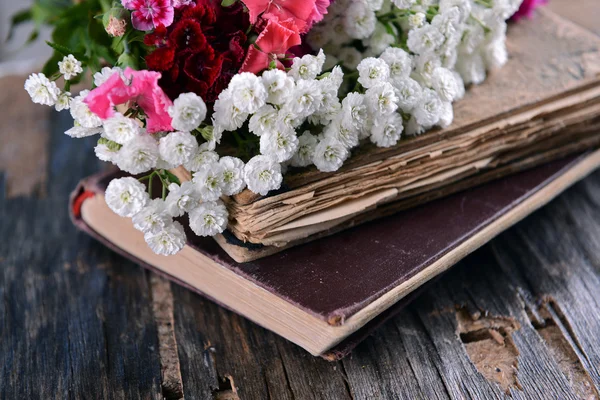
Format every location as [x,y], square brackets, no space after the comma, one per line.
[211,106]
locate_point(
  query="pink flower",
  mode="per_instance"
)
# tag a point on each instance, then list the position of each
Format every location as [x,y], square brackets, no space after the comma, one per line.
[116,27]
[301,12]
[140,87]
[148,14]
[527,9]
[272,44]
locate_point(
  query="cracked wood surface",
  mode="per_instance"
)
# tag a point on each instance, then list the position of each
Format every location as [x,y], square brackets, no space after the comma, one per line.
[518,319]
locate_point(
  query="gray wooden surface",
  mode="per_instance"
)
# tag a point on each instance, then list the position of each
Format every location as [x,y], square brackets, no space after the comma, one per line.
[518,319]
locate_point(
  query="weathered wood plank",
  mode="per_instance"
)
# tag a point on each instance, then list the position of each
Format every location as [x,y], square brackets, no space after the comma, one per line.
[75,320]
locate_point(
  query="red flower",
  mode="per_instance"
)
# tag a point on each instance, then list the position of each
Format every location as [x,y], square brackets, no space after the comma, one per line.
[272,44]
[201,51]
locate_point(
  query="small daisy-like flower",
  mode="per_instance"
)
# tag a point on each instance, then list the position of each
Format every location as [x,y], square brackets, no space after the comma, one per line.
[265,120]
[307,143]
[308,67]
[360,20]
[121,129]
[182,199]
[263,174]
[70,67]
[429,109]
[79,132]
[425,39]
[350,57]
[409,93]
[168,241]
[105,74]
[330,155]
[445,84]
[248,92]
[416,20]
[373,71]
[306,99]
[382,99]
[399,61]
[279,86]
[233,175]
[178,148]
[209,219]
[226,115]
[188,111]
[202,156]
[354,108]
[42,90]
[447,115]
[82,114]
[107,150]
[138,155]
[209,181]
[63,102]
[386,132]
[280,143]
[126,196]
[343,131]
[152,218]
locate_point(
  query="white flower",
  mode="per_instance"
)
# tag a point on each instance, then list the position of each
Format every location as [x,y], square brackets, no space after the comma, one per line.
[126,196]
[429,109]
[354,109]
[306,99]
[70,67]
[188,111]
[424,67]
[425,39]
[213,135]
[248,92]
[386,132]
[138,155]
[382,100]
[107,152]
[400,63]
[209,180]
[416,20]
[63,102]
[280,143]
[233,175]
[359,20]
[330,155]
[495,54]
[308,67]
[307,144]
[168,241]
[464,7]
[447,115]
[226,115]
[404,4]
[42,90]
[263,174]
[265,120]
[182,199]
[279,86]
[202,156]
[372,71]
[381,39]
[409,93]
[350,57]
[471,68]
[413,128]
[343,131]
[79,132]
[152,218]
[105,74]
[445,84]
[121,129]
[178,148]
[209,219]
[81,112]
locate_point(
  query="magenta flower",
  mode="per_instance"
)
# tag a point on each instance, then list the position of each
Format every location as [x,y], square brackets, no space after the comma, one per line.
[527,9]
[137,87]
[148,14]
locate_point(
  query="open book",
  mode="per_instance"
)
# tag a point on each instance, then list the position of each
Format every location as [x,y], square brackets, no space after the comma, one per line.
[544,104]
[327,295]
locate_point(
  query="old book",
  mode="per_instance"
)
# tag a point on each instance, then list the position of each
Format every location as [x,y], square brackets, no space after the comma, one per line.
[544,104]
[327,295]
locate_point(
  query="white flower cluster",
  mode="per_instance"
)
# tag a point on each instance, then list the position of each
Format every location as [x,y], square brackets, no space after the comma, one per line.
[45,91]
[466,35]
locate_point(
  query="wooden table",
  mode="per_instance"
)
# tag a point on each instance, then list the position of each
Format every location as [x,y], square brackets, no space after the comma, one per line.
[521,316]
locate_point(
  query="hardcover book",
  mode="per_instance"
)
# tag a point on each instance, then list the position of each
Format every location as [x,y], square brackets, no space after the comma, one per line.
[328,295]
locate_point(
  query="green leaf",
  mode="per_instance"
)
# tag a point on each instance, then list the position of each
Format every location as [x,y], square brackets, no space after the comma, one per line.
[228,3]
[18,19]
[172,178]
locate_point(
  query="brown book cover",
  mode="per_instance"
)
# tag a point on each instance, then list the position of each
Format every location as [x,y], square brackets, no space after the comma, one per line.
[327,295]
